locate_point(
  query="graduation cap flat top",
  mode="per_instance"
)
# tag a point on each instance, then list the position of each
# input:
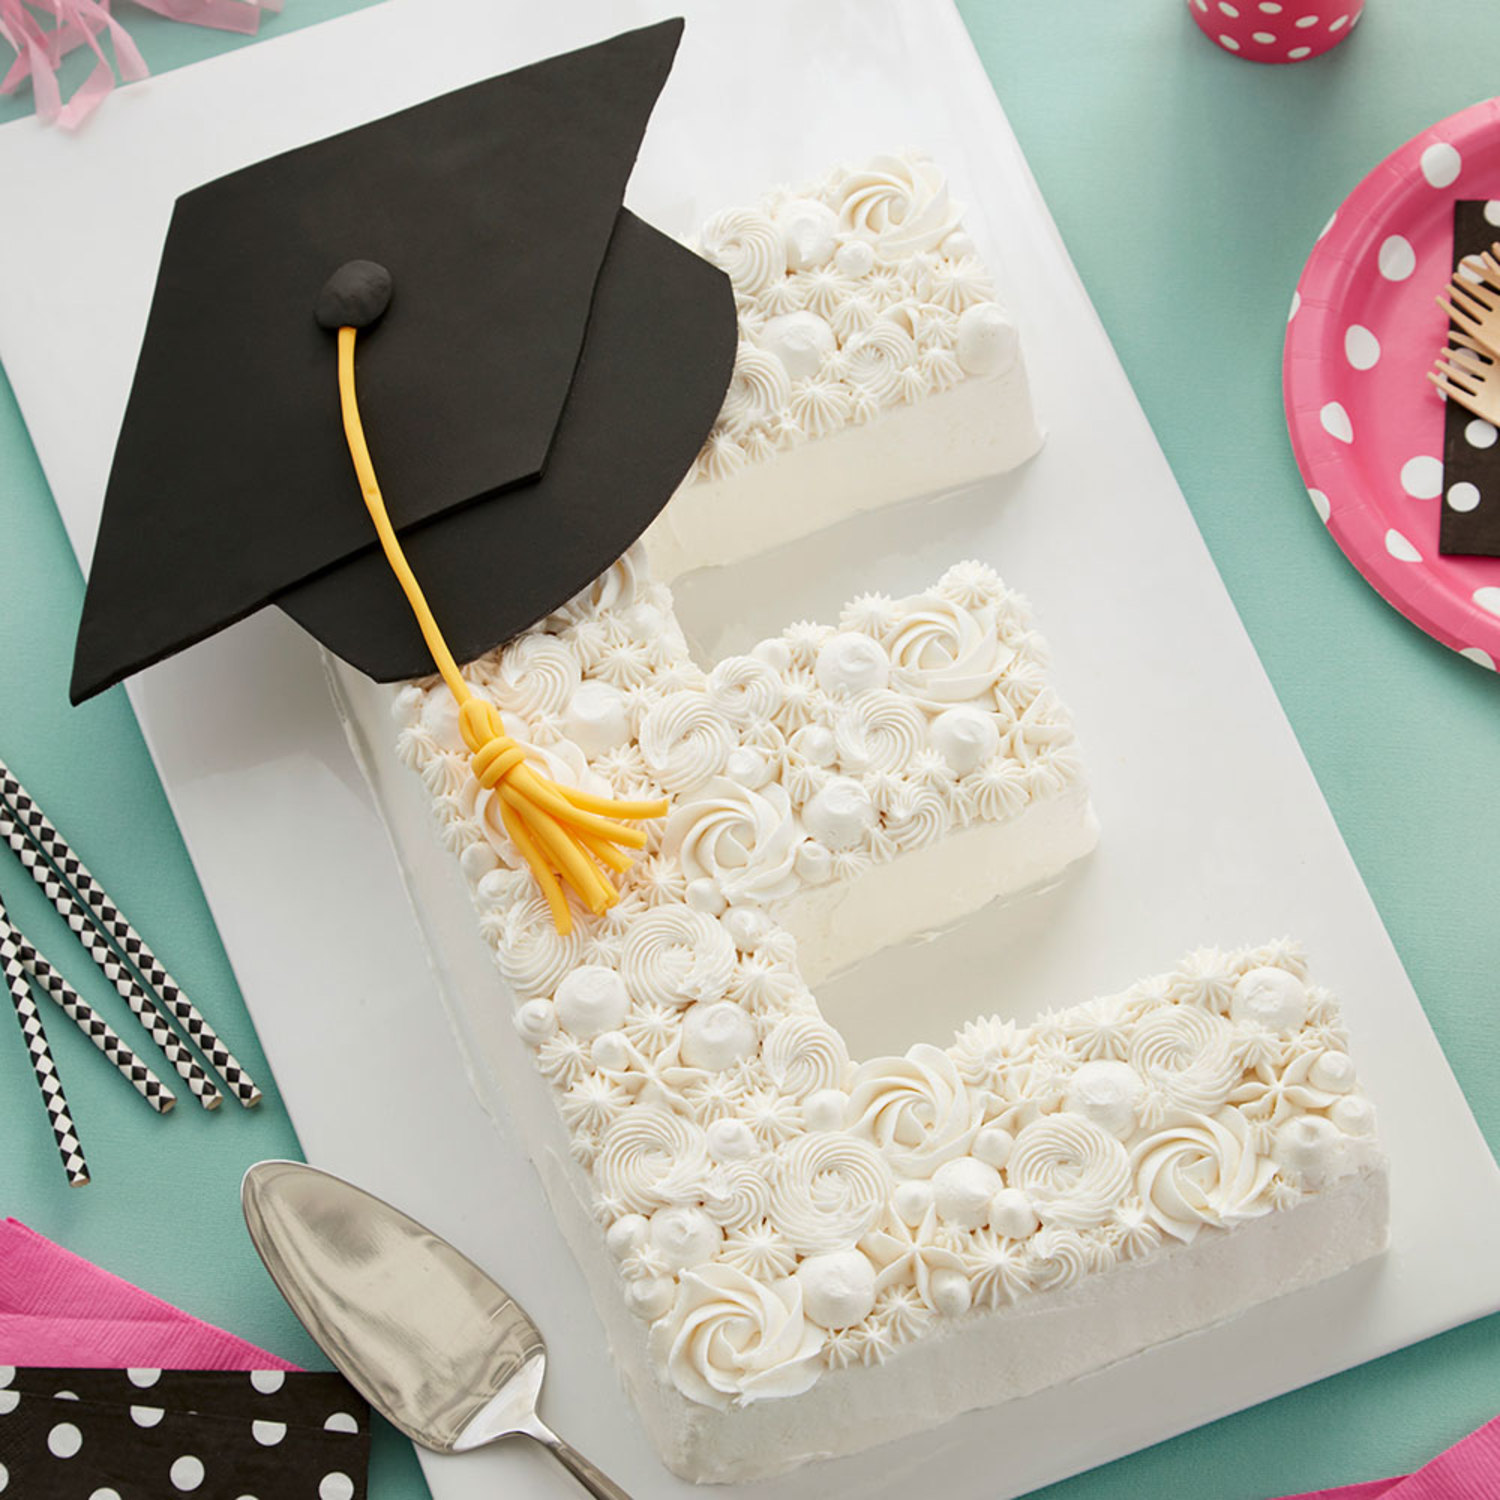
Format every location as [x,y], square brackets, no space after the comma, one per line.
[546,371]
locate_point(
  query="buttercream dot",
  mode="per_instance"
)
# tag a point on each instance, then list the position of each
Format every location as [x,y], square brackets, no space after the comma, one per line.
[1396,258]
[813,863]
[730,1140]
[775,654]
[816,744]
[950,1291]
[477,861]
[536,1020]
[705,895]
[838,1288]
[1011,1214]
[986,342]
[1441,164]
[747,767]
[825,1109]
[1333,1072]
[716,1036]
[1353,1115]
[849,662]
[855,258]
[1422,477]
[746,927]
[840,815]
[966,737]
[1308,1147]
[993,1146]
[650,1297]
[1480,434]
[1107,1093]
[684,1237]
[626,1235]
[591,1000]
[1463,496]
[1271,998]
[962,1190]
[597,719]
[809,231]
[911,1200]
[801,341]
[611,1051]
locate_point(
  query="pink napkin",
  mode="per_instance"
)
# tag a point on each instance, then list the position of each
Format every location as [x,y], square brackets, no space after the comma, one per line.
[1468,1470]
[57,1309]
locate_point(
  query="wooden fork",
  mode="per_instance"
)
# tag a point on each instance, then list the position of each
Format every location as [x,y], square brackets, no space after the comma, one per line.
[1469,375]
[1474,306]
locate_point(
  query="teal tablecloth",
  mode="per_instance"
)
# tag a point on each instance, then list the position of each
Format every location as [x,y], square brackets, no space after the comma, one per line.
[1188,186]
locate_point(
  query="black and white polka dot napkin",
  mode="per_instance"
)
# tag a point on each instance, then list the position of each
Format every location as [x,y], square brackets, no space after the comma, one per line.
[157,1434]
[1471,453]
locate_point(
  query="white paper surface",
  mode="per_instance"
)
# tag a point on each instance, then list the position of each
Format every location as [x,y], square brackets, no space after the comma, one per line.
[1214,830]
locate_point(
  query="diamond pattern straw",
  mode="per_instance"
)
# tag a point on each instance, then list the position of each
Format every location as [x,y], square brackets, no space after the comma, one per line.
[69,1147]
[89,1021]
[140,1003]
[134,947]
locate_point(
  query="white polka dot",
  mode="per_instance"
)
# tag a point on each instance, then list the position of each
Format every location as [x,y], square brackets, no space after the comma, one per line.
[1270,7]
[1399,548]
[1265,38]
[1232,11]
[1201,4]
[1422,477]
[64,1440]
[143,1378]
[1305,21]
[1479,434]
[267,1381]
[4,1478]
[336,1486]
[186,1472]
[105,1494]
[1492,211]
[341,1421]
[1471,268]
[1462,496]
[268,1434]
[1397,259]
[1339,24]
[7,1374]
[1296,304]
[1488,598]
[64,1395]
[9,1401]
[1320,504]
[1336,422]
[147,1416]
[1361,347]
[1298,53]
[1480,658]
[1228,41]
[1441,164]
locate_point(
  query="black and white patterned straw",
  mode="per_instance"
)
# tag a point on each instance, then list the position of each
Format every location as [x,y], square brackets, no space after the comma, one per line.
[88,1020]
[132,945]
[69,1147]
[141,1004]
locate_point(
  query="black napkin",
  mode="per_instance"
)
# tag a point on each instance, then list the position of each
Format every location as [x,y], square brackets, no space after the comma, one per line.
[1471,453]
[210,1434]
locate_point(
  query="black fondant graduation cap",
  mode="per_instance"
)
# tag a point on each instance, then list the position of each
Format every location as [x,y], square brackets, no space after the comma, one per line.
[543,376]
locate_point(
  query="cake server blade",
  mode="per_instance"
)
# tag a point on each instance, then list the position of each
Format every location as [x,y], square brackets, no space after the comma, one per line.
[432,1342]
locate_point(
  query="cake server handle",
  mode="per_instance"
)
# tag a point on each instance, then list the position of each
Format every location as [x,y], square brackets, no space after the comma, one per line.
[593,1479]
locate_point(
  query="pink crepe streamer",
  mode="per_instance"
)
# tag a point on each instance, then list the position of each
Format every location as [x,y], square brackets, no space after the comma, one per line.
[58,1310]
[43,32]
[1466,1471]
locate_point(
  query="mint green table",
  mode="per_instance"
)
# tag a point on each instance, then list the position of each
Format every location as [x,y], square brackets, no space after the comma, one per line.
[1188,186]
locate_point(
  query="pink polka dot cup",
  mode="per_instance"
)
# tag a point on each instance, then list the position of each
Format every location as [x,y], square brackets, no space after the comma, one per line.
[1276,31]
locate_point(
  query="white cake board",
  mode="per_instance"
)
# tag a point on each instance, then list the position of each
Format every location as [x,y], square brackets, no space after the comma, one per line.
[1214,827]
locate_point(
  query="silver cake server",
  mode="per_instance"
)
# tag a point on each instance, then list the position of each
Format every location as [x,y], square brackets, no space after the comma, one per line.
[432,1343]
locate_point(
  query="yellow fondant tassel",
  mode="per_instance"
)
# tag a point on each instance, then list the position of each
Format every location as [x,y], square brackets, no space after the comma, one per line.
[565,835]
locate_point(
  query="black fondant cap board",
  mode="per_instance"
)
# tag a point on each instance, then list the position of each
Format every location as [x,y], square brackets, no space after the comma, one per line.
[543,376]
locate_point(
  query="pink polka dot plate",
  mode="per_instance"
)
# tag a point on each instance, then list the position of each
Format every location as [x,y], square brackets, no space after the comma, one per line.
[1366,427]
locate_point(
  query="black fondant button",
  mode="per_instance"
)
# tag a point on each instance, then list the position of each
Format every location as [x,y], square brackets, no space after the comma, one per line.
[354,296]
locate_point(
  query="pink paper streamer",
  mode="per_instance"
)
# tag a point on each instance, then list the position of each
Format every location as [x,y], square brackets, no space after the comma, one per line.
[43,32]
[1468,1470]
[59,1310]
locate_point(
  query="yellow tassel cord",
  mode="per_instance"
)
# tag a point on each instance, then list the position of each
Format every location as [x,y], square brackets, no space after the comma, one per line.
[565,835]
